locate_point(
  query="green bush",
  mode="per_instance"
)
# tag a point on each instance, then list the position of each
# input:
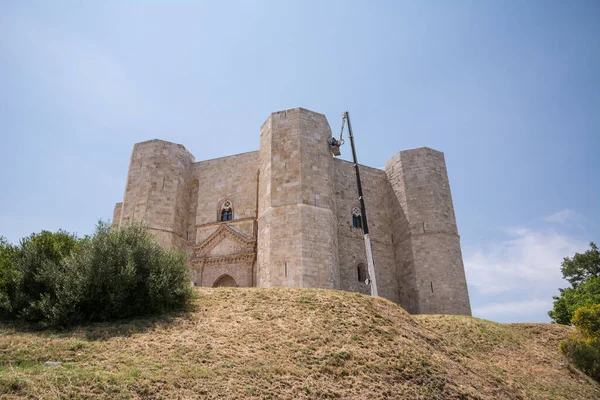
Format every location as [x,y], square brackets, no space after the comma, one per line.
[29,270]
[127,273]
[587,322]
[5,259]
[583,349]
[8,254]
[59,280]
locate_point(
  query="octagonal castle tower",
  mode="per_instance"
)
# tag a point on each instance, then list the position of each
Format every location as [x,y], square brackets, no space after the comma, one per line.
[283,216]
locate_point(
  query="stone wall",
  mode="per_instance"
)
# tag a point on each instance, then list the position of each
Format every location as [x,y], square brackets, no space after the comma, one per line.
[297,233]
[380,216]
[420,181]
[157,190]
[231,178]
[117,214]
[292,215]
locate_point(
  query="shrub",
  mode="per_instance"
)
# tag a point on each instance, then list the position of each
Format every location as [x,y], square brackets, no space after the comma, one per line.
[583,349]
[587,321]
[127,273]
[29,271]
[8,254]
[6,251]
[60,280]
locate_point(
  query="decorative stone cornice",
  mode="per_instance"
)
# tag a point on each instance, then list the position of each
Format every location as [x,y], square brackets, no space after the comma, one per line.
[237,221]
[242,258]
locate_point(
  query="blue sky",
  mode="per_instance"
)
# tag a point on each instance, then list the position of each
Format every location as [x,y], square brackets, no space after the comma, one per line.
[508,90]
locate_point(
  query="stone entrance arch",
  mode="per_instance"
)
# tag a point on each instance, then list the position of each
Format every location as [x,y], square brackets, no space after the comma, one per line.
[225,281]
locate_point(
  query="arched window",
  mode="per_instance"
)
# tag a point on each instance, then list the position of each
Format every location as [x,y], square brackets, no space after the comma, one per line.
[361,272]
[226,211]
[356,218]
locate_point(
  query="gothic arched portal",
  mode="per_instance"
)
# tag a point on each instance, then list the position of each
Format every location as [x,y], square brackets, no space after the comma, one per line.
[225,281]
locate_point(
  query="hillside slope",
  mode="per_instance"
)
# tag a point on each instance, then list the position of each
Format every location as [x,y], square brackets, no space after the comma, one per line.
[292,343]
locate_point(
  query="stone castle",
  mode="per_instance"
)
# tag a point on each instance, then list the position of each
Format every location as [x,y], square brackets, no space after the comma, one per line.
[288,215]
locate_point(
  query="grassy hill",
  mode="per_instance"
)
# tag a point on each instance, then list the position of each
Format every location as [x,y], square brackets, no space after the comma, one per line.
[291,343]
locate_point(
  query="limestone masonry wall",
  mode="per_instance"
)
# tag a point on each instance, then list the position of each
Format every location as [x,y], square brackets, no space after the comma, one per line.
[296,226]
[420,181]
[282,216]
[376,190]
[231,178]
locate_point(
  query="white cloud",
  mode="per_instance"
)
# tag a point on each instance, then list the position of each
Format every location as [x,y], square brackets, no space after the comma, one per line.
[527,257]
[514,278]
[563,217]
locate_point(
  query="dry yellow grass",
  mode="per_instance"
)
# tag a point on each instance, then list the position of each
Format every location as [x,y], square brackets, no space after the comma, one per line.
[291,344]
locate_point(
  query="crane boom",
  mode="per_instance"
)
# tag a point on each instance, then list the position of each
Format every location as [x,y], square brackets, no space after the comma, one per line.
[371,266]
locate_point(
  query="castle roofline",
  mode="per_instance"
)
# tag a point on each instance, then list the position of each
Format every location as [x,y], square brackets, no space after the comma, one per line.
[421,148]
[166,142]
[394,158]
[299,109]
[361,165]
[296,108]
[232,155]
[161,141]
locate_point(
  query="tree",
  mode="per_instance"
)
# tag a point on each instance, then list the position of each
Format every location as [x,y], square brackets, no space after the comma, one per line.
[583,273]
[583,348]
[581,267]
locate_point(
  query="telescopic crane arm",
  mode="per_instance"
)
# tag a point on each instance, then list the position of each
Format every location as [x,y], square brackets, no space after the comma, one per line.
[335,144]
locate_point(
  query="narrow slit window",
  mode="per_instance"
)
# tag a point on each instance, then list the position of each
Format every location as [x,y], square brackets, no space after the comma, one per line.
[356,218]
[361,271]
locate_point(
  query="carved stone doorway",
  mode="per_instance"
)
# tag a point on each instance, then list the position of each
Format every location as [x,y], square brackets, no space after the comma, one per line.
[225,281]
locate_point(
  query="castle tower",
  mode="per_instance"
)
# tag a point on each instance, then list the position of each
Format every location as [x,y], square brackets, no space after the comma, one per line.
[432,246]
[158,191]
[284,216]
[297,227]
